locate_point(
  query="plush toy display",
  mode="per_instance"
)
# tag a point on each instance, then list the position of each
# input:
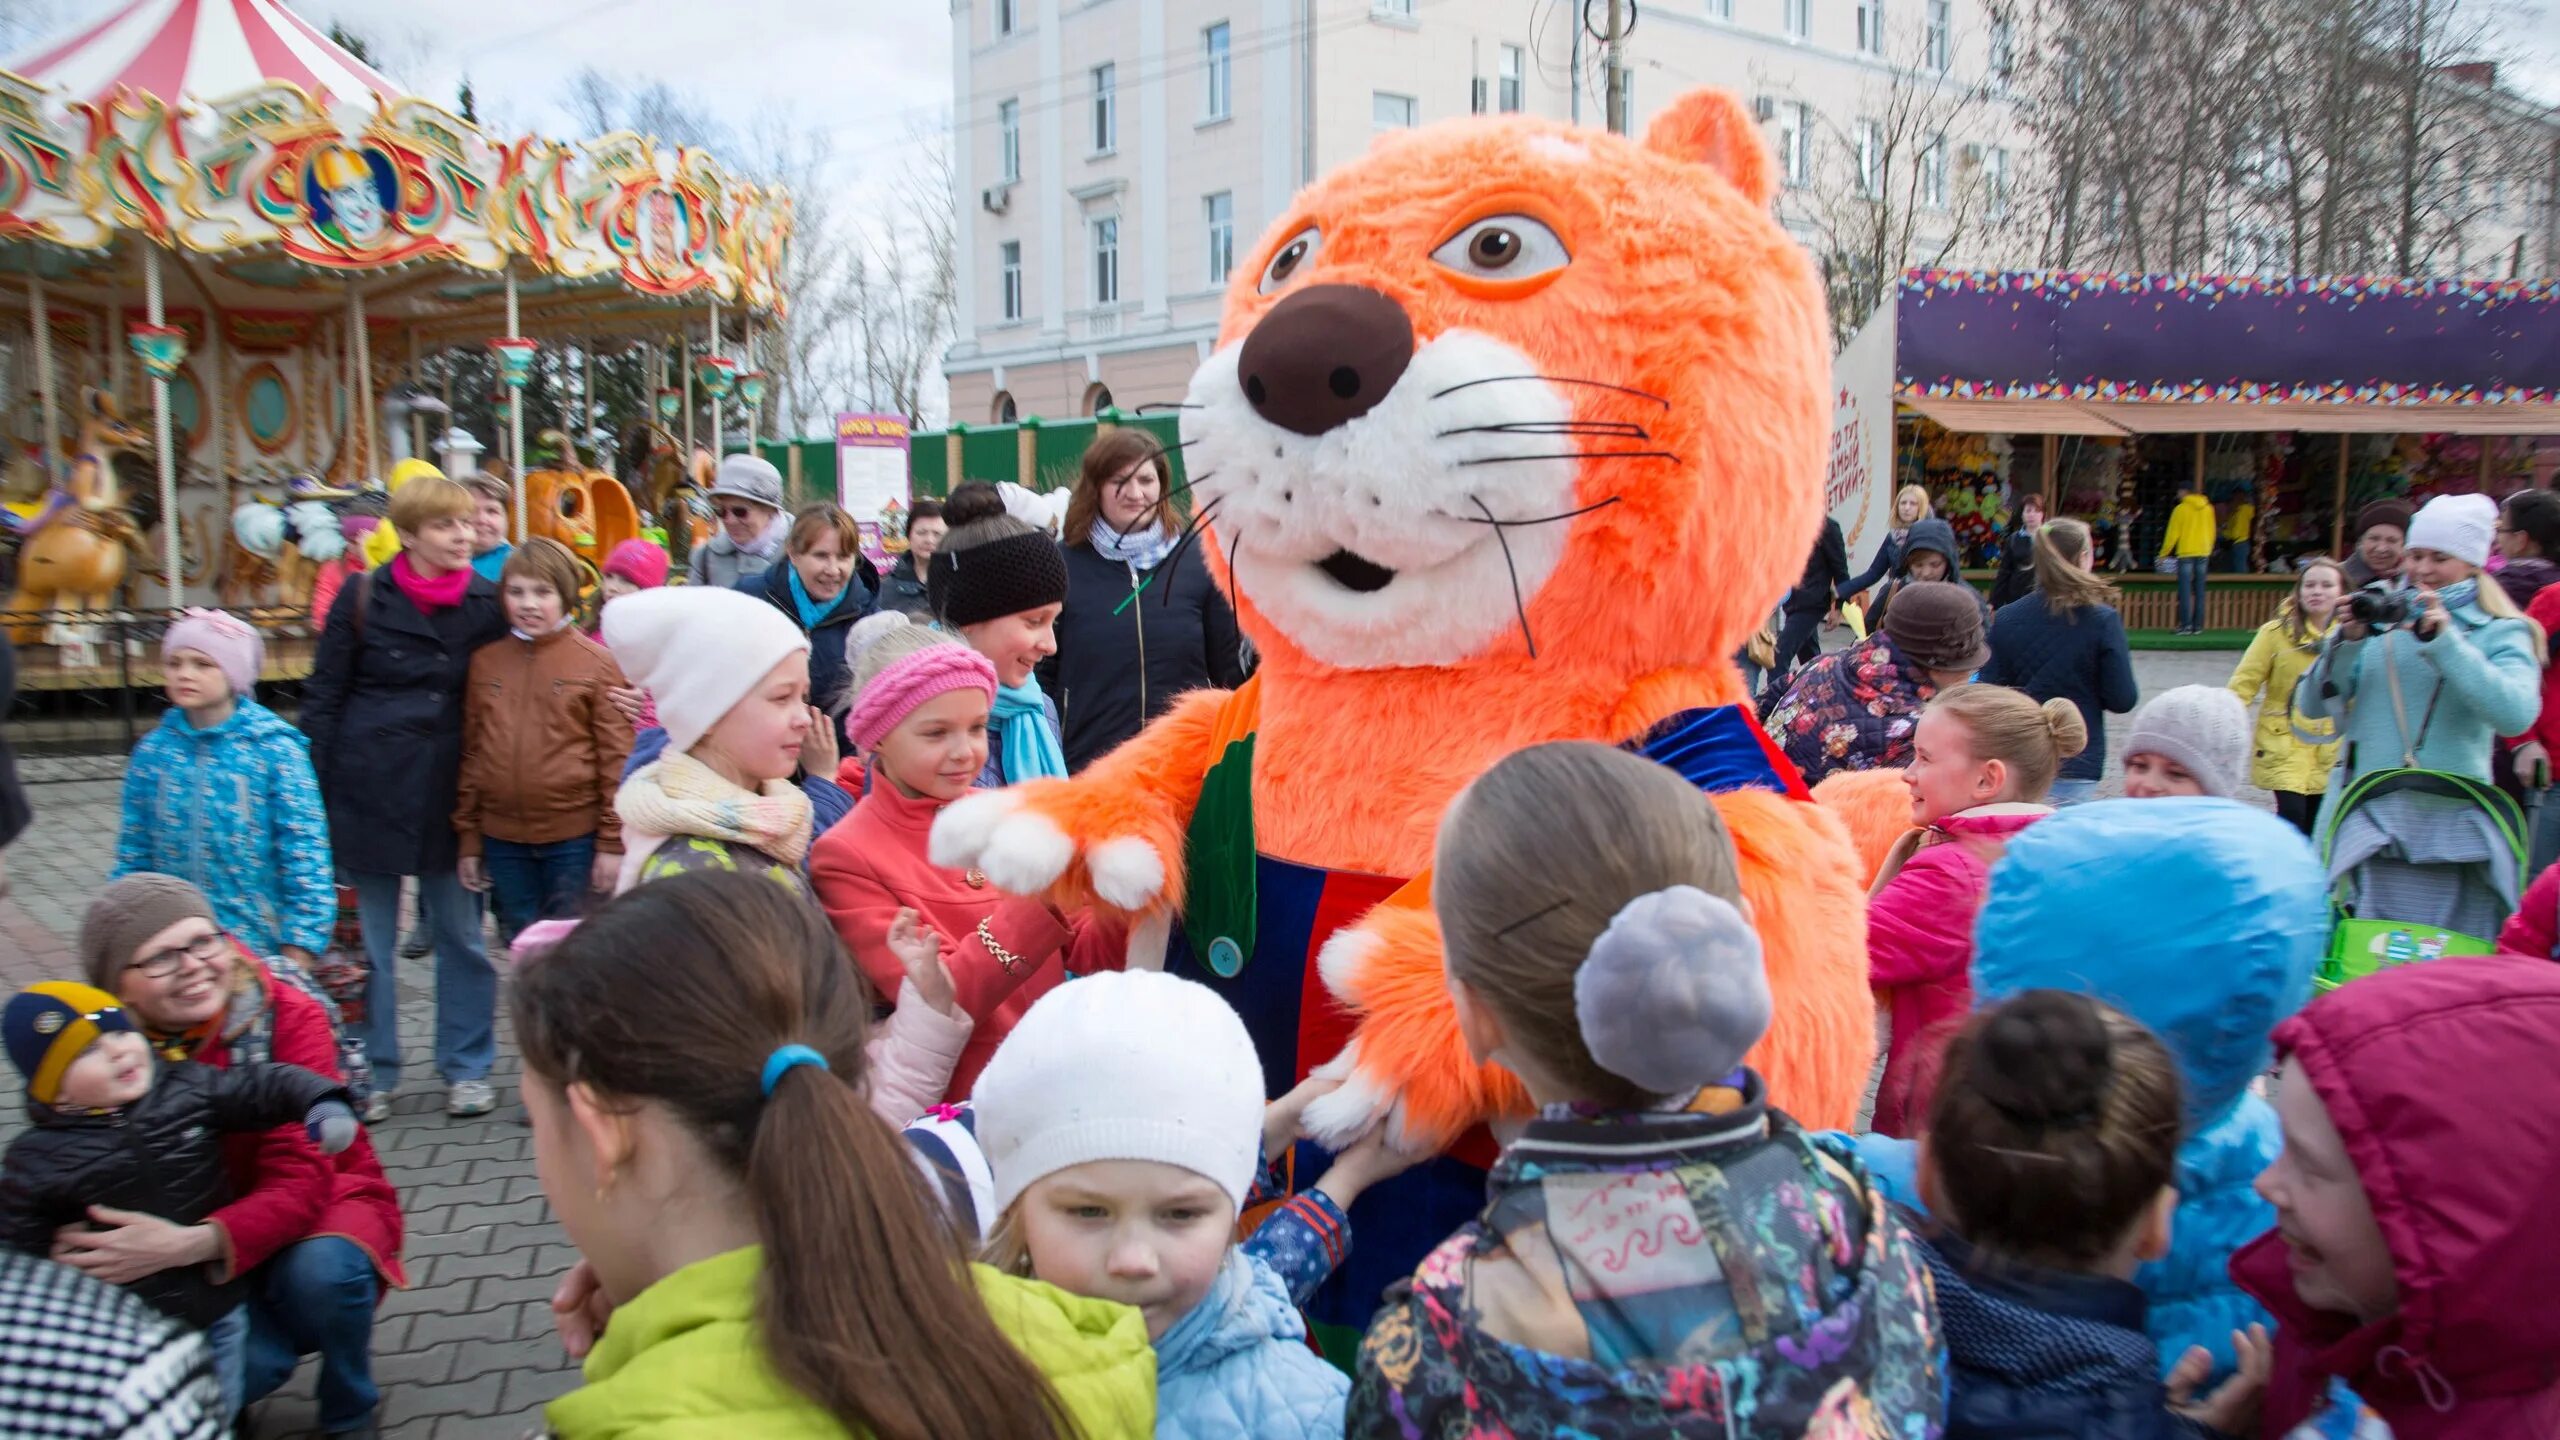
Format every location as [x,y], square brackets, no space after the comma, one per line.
[1515,433]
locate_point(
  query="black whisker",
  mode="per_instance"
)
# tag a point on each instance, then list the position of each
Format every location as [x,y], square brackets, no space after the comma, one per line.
[1519,603]
[1575,455]
[1611,429]
[1199,520]
[1152,406]
[1155,512]
[1541,520]
[1235,543]
[1556,380]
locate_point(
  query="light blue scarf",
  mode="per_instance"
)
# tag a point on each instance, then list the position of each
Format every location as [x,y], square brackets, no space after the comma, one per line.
[1030,742]
[811,612]
[1144,548]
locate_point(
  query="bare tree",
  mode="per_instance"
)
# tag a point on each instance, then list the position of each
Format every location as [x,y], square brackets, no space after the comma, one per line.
[1890,190]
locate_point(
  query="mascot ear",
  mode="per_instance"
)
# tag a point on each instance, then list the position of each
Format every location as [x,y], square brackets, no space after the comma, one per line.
[1710,128]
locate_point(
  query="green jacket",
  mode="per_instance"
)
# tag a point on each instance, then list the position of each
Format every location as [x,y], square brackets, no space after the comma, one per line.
[681,1362]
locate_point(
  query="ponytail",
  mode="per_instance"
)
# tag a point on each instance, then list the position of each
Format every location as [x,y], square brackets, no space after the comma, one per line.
[679,994]
[2067,585]
[2495,599]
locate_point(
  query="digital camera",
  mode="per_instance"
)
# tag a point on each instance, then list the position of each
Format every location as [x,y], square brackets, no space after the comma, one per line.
[2383,605]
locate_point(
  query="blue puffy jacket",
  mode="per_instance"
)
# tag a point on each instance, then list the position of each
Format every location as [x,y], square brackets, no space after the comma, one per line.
[1238,1367]
[2203,919]
[235,809]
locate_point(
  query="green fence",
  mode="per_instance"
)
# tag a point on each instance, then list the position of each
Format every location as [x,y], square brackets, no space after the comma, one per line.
[987,452]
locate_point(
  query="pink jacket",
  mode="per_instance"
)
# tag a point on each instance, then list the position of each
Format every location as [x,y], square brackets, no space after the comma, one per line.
[1920,943]
[874,863]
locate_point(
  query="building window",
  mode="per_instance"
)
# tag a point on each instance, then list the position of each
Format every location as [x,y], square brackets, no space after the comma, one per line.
[1390,112]
[1795,143]
[1220,210]
[1221,92]
[1106,109]
[1933,173]
[1870,158]
[1401,9]
[1871,26]
[1009,256]
[1799,18]
[1007,16]
[1719,9]
[2003,51]
[1097,398]
[1995,183]
[1000,410]
[1514,66]
[1009,137]
[1106,261]
[1937,40]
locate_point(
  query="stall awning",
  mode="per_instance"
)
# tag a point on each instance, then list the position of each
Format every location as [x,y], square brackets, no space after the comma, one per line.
[2082,354]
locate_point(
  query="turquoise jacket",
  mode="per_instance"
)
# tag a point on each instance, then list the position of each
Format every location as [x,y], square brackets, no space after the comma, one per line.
[236,810]
[2479,679]
[1238,1367]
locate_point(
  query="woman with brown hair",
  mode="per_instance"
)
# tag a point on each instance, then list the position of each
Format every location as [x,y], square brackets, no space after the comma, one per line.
[824,584]
[1135,632]
[2065,641]
[693,1069]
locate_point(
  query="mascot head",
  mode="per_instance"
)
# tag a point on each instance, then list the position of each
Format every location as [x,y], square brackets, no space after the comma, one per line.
[1507,388]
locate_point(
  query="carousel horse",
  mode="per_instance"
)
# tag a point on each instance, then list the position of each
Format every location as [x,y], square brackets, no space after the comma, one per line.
[72,555]
[670,492]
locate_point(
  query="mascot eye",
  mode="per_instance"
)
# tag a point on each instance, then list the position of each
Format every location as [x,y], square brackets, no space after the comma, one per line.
[1504,247]
[1291,256]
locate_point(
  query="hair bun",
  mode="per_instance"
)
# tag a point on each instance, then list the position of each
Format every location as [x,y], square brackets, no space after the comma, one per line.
[1674,992]
[2070,730]
[971,500]
[2047,1060]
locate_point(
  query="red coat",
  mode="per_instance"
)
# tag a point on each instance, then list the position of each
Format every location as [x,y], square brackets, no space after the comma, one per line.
[2535,927]
[1920,943]
[2545,611]
[2443,1079]
[288,1190]
[875,862]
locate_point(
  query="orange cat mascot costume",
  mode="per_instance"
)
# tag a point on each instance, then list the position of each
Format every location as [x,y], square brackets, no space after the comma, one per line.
[1515,432]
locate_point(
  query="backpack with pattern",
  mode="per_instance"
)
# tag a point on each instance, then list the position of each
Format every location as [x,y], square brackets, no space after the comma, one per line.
[257,1045]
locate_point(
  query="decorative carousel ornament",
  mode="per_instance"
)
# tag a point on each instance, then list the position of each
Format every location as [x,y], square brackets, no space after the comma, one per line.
[161,348]
[515,359]
[751,389]
[716,374]
[670,405]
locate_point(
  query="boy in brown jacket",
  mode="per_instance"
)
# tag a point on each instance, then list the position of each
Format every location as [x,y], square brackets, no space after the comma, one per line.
[542,752]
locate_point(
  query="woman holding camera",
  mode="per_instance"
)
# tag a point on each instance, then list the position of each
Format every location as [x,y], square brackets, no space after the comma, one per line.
[2429,673]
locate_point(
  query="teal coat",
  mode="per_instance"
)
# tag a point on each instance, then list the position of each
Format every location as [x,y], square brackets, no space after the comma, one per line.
[2480,677]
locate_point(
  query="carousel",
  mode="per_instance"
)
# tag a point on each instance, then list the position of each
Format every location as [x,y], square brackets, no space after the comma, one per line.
[231,254]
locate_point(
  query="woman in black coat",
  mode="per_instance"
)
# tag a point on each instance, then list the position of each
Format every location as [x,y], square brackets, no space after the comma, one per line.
[823,583]
[1135,632]
[383,709]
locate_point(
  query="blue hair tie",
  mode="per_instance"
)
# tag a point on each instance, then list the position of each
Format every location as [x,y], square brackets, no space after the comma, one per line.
[787,1059]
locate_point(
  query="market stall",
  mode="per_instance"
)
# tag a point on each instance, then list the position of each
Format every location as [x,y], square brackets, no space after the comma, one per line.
[228,245]
[2298,398]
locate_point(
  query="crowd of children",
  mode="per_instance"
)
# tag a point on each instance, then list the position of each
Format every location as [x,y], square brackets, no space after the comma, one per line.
[2078,1205]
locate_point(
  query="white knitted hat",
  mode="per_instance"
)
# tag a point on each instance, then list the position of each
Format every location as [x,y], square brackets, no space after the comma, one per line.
[2462,526]
[1123,1065]
[2202,727]
[697,650]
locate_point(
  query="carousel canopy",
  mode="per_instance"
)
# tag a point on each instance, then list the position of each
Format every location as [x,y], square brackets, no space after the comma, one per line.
[2094,354]
[199,51]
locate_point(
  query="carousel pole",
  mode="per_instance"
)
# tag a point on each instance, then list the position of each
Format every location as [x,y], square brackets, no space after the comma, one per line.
[718,428]
[515,409]
[755,408]
[40,321]
[684,365]
[364,376]
[160,421]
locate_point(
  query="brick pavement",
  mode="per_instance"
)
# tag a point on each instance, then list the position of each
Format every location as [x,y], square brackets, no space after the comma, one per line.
[467,1350]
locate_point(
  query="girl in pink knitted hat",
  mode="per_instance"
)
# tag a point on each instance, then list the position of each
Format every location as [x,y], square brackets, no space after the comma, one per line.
[920,707]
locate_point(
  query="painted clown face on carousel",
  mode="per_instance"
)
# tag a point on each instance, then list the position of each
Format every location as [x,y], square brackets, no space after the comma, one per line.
[345,191]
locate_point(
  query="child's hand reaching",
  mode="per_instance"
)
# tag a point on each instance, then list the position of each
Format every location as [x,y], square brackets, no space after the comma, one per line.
[1369,1160]
[920,951]
[1280,1117]
[331,1126]
[2232,1408]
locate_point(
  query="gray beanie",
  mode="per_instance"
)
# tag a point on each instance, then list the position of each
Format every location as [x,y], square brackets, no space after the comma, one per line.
[127,913]
[749,477]
[2202,727]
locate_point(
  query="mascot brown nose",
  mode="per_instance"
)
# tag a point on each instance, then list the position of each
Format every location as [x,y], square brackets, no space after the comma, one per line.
[1325,356]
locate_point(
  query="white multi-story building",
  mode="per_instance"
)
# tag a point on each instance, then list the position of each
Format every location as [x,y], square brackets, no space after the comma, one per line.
[1115,158]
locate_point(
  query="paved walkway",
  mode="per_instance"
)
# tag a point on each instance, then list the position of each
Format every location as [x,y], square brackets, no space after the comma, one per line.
[467,1350]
